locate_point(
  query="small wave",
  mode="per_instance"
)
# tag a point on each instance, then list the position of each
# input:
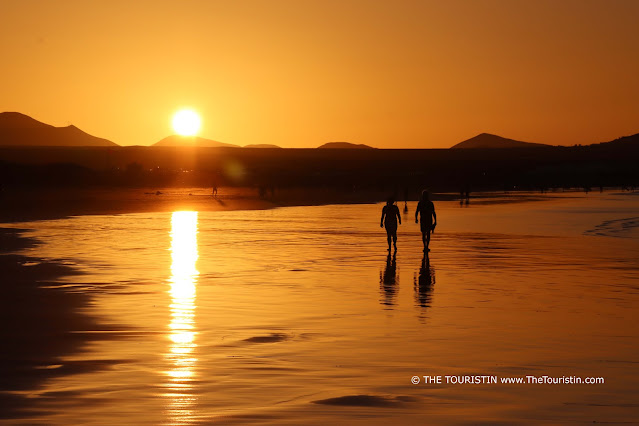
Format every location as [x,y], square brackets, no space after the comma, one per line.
[364,401]
[615,228]
[271,338]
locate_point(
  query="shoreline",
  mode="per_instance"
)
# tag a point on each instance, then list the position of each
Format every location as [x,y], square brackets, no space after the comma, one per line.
[29,204]
[41,325]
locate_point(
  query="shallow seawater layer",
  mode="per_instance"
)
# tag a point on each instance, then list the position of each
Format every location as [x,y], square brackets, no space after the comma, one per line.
[299,316]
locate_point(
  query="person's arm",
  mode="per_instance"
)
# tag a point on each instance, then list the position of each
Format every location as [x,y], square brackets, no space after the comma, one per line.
[434,218]
[399,216]
[416,213]
[381,220]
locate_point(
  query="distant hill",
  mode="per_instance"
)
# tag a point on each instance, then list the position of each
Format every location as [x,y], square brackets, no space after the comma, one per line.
[632,140]
[344,145]
[22,130]
[177,140]
[486,140]
[261,145]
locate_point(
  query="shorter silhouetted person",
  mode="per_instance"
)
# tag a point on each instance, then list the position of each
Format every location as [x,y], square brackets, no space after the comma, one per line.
[428,218]
[214,191]
[389,219]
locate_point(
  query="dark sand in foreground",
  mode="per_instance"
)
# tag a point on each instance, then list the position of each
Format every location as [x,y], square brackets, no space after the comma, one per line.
[36,321]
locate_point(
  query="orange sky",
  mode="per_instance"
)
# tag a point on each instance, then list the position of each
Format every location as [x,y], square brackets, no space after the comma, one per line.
[299,73]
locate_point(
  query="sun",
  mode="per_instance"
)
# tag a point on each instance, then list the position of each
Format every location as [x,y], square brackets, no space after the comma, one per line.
[186,122]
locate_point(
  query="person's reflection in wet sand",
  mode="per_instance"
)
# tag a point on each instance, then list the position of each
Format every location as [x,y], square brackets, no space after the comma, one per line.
[424,281]
[388,281]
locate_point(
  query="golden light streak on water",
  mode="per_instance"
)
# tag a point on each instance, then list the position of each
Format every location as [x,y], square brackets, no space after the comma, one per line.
[182,327]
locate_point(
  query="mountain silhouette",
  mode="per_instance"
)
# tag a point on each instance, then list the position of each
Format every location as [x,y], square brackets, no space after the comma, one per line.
[261,145]
[177,140]
[486,140]
[21,130]
[344,145]
[632,140]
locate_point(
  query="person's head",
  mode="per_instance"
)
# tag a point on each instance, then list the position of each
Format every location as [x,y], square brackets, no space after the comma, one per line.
[390,201]
[425,195]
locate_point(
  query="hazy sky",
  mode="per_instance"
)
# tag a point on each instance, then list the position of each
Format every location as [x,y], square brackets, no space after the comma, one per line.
[300,73]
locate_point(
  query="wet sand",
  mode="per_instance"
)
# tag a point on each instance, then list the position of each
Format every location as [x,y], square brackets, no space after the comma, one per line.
[297,316]
[36,322]
[19,205]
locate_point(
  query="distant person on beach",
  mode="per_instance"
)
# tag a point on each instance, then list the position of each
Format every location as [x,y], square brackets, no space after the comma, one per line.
[426,209]
[390,216]
[406,200]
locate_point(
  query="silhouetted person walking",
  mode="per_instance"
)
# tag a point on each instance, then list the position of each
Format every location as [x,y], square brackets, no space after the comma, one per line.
[390,216]
[426,209]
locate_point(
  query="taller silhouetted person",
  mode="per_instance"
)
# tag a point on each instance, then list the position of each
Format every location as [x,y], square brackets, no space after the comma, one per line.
[426,209]
[390,216]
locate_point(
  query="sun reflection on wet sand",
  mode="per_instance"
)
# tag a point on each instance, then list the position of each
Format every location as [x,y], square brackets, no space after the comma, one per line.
[182,328]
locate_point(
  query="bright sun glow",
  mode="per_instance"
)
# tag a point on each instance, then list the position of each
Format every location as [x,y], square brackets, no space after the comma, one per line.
[186,122]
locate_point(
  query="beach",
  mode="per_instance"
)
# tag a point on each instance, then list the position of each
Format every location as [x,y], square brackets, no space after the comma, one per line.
[186,313]
[19,204]
[37,321]
[199,205]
